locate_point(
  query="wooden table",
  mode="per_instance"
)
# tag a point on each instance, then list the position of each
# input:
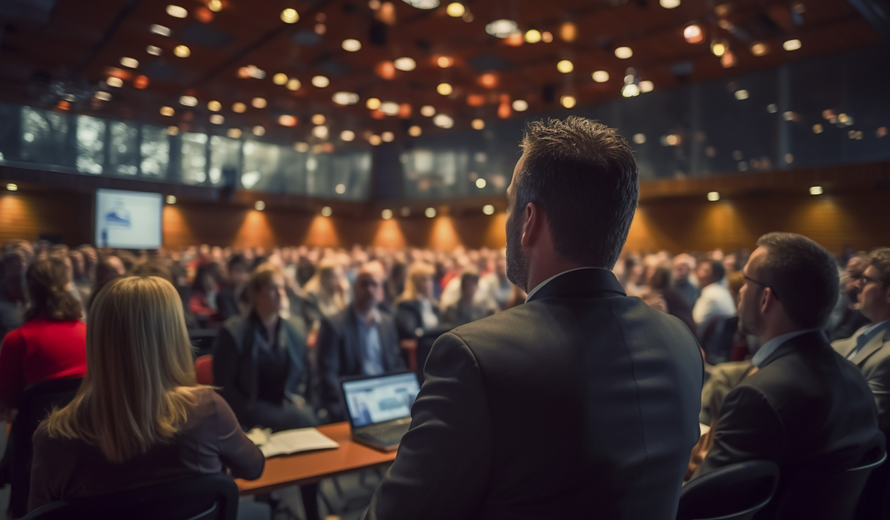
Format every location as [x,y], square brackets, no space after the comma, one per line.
[313,466]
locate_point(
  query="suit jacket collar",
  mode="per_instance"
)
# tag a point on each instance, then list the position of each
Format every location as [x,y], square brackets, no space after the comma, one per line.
[583,283]
[873,345]
[802,341]
[846,345]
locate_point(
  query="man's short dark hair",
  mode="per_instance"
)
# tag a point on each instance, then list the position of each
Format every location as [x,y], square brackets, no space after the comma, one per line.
[237,260]
[803,276]
[717,270]
[880,260]
[585,178]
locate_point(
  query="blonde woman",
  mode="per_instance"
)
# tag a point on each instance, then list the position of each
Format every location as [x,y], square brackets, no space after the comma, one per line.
[139,417]
[328,290]
[416,309]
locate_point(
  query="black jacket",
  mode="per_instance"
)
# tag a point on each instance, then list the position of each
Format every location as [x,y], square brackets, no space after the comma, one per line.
[580,402]
[409,318]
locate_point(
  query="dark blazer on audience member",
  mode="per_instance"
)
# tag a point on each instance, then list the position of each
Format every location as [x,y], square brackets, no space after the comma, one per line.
[806,405]
[581,403]
[409,317]
[874,363]
[340,354]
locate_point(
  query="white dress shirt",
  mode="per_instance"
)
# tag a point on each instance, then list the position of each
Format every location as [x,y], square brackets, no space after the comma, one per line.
[770,346]
[715,301]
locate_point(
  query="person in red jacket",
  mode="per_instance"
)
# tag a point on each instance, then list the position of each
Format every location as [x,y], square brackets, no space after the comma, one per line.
[52,342]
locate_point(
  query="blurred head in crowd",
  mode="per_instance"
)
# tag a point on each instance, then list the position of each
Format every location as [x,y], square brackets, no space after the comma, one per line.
[109,268]
[660,278]
[368,286]
[874,285]
[572,198]
[851,275]
[708,272]
[419,283]
[791,283]
[155,268]
[469,284]
[48,286]
[683,266]
[239,270]
[206,278]
[267,290]
[77,265]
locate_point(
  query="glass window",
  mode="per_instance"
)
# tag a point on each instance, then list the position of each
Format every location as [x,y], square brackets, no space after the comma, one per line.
[225,160]
[261,162]
[90,145]
[194,158]
[123,154]
[44,134]
[155,149]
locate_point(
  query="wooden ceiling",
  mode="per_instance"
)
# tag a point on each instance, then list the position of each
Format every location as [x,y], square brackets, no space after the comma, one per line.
[81,43]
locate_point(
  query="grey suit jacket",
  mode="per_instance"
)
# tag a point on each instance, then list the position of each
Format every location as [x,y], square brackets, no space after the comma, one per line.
[874,363]
[580,402]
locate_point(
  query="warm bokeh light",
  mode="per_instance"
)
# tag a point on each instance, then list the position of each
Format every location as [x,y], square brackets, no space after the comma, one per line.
[373,103]
[326,211]
[171,199]
[293,84]
[173,130]
[318,119]
[129,62]
[427,110]
[504,110]
[520,105]
[347,135]
[669,4]
[351,45]
[258,102]
[239,108]
[443,121]
[181,51]
[455,9]
[375,140]
[759,49]
[445,61]
[488,209]
[385,69]
[478,124]
[189,101]
[405,64]
[215,5]
[475,100]
[480,183]
[624,53]
[259,206]
[258,130]
[386,214]
[217,119]
[600,76]
[568,32]
[287,120]
[565,66]
[791,45]
[345,98]
[533,36]
[320,132]
[488,80]
[160,30]
[713,196]
[816,190]
[176,11]
[444,89]
[404,110]
[387,137]
[280,78]
[113,81]
[728,59]
[415,131]
[693,34]
[290,16]
[214,106]
[154,50]
[320,81]
[140,82]
[646,86]
[234,133]
[546,37]
[568,101]
[430,212]
[718,47]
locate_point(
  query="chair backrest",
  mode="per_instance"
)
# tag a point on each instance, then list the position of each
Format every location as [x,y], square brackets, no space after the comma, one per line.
[825,495]
[207,497]
[204,369]
[734,492]
[36,403]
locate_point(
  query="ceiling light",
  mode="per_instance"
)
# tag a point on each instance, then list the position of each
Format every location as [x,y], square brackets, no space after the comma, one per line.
[455,9]
[374,139]
[646,86]
[114,81]
[669,4]
[321,81]
[280,78]
[741,95]
[217,119]
[693,34]
[159,30]
[532,36]
[478,124]
[488,80]
[816,190]
[171,199]
[326,211]
[287,120]
[445,61]
[600,76]
[189,101]
[480,183]
[290,16]
[234,133]
[215,5]
[405,64]
[728,59]
[214,106]
[129,62]
[102,96]
[293,84]
[713,196]
[568,101]
[502,28]
[387,137]
[423,4]
[546,37]
[140,82]
[258,130]
[415,131]
[488,209]
[347,135]
[12,187]
[718,47]
[258,102]
[565,66]
[167,111]
[372,103]
[791,45]
[640,138]
[443,121]
[386,214]
[568,32]
[390,108]
[427,110]
[260,205]
[759,49]
[153,50]
[345,98]
[630,90]
[430,212]
[181,51]
[318,119]
[385,69]
[352,45]
[239,108]
[445,89]
[520,105]
[177,12]
[321,132]
[817,128]
[623,53]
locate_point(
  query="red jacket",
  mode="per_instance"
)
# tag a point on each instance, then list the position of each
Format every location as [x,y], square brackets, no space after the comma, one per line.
[40,350]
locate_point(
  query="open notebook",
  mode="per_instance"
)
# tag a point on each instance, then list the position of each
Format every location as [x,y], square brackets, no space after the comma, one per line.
[290,441]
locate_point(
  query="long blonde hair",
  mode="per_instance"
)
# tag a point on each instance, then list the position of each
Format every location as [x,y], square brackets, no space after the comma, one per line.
[416,273]
[140,382]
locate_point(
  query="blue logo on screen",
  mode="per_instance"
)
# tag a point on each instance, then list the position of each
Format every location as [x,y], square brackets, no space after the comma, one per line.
[119,216]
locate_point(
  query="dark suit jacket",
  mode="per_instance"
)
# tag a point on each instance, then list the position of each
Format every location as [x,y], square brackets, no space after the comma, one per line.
[409,318]
[340,355]
[580,402]
[806,406]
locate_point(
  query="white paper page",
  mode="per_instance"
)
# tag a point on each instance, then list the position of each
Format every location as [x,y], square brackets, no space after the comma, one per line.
[296,441]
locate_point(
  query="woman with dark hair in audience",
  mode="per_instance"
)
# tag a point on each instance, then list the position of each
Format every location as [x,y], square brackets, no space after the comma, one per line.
[661,282]
[139,417]
[108,269]
[205,288]
[416,310]
[51,343]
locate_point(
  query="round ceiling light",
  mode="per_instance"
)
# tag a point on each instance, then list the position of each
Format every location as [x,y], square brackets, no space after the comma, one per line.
[427,110]
[520,105]
[181,51]
[423,4]
[623,53]
[352,45]
[345,98]
[600,76]
[321,81]
[445,89]
[405,64]
[565,66]
[443,121]
[455,9]
[502,28]
[290,16]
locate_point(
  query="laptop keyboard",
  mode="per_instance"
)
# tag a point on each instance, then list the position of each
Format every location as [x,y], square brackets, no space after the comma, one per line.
[389,434]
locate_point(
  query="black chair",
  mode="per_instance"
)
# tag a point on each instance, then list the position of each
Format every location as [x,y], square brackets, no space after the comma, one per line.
[208,497]
[36,403]
[734,492]
[816,494]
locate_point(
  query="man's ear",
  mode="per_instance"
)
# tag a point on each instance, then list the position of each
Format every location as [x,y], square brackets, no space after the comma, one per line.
[531,226]
[767,300]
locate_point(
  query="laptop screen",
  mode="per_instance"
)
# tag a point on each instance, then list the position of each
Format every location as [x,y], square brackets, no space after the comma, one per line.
[380,399]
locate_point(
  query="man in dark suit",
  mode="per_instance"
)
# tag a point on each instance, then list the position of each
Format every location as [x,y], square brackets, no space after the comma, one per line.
[802,404]
[360,340]
[580,402]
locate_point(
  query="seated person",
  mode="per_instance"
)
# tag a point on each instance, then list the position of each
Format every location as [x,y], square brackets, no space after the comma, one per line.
[52,342]
[259,361]
[465,309]
[801,403]
[202,299]
[140,367]
[360,340]
[230,294]
[416,310]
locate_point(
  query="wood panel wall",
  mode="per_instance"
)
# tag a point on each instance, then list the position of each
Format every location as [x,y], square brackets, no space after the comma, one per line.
[858,218]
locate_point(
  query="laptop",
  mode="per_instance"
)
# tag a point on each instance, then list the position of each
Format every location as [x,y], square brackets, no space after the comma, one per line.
[380,408]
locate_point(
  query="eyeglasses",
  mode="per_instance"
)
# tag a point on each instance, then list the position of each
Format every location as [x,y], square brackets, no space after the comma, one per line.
[748,278]
[865,280]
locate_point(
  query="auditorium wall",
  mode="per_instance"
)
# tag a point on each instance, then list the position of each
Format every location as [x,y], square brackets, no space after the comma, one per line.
[858,219]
